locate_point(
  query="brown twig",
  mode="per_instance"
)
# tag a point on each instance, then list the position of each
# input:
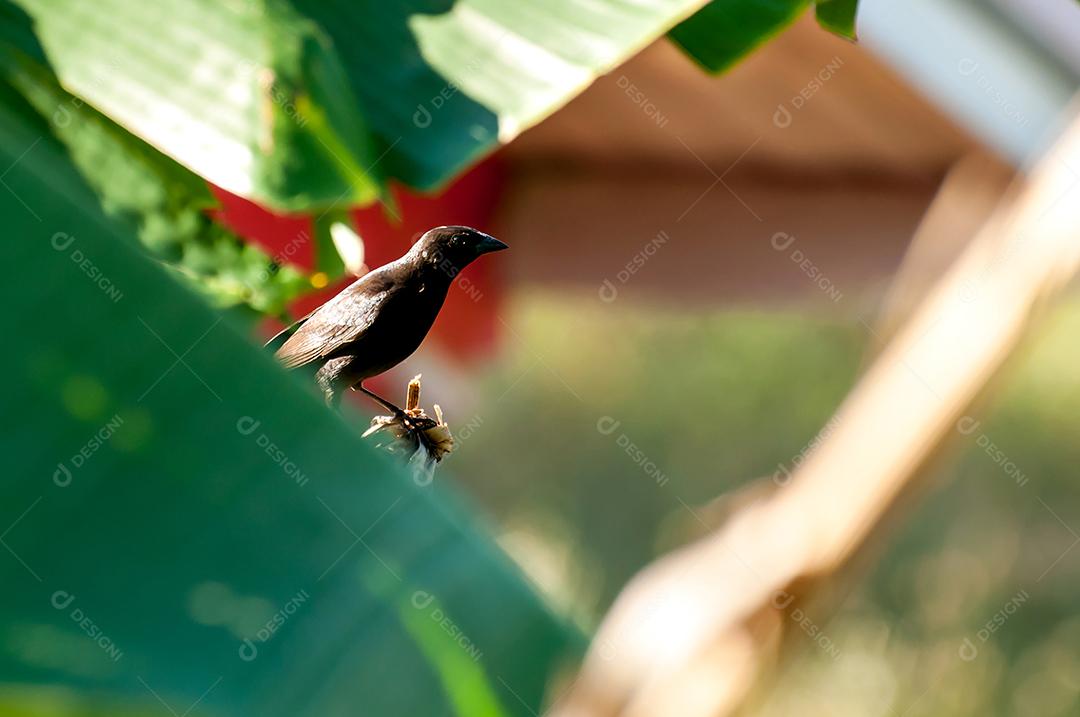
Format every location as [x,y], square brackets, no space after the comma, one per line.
[422,441]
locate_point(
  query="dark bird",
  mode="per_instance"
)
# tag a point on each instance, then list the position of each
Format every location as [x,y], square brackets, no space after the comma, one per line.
[380,319]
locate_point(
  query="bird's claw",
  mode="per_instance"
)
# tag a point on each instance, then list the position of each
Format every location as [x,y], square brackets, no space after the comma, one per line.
[412,426]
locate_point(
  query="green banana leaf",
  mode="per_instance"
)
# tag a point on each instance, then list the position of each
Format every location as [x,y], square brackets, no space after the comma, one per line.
[186,529]
[166,202]
[302,104]
[310,104]
[838,16]
[724,31]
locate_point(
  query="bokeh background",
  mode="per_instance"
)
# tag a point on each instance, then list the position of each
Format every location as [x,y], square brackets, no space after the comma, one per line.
[701,266]
[720,359]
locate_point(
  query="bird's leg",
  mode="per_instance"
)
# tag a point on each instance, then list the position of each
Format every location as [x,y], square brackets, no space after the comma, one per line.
[398,413]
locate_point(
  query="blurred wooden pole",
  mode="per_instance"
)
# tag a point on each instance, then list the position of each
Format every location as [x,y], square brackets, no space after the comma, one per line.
[690,633]
[967,197]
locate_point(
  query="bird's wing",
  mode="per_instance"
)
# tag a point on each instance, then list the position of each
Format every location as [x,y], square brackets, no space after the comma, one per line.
[340,321]
[286,333]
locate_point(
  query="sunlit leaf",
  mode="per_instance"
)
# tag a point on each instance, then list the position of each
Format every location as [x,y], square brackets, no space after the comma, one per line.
[306,104]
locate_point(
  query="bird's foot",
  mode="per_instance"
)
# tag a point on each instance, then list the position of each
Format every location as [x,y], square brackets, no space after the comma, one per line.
[412,426]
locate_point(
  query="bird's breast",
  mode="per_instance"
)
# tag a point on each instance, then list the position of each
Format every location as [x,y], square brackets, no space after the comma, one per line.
[403,323]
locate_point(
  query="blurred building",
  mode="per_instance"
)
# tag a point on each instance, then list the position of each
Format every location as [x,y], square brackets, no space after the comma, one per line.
[826,152]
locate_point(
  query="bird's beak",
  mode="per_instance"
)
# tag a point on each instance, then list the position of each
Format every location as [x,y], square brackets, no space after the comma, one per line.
[488,244]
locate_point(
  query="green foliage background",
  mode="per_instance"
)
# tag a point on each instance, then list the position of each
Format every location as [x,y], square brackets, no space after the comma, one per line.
[985,529]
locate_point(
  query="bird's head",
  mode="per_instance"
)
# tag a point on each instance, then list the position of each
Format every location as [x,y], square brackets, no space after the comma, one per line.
[453,248]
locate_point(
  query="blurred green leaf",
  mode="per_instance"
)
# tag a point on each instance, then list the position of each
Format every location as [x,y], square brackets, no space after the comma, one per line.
[305,104]
[249,95]
[722,32]
[185,525]
[166,202]
[327,258]
[838,16]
